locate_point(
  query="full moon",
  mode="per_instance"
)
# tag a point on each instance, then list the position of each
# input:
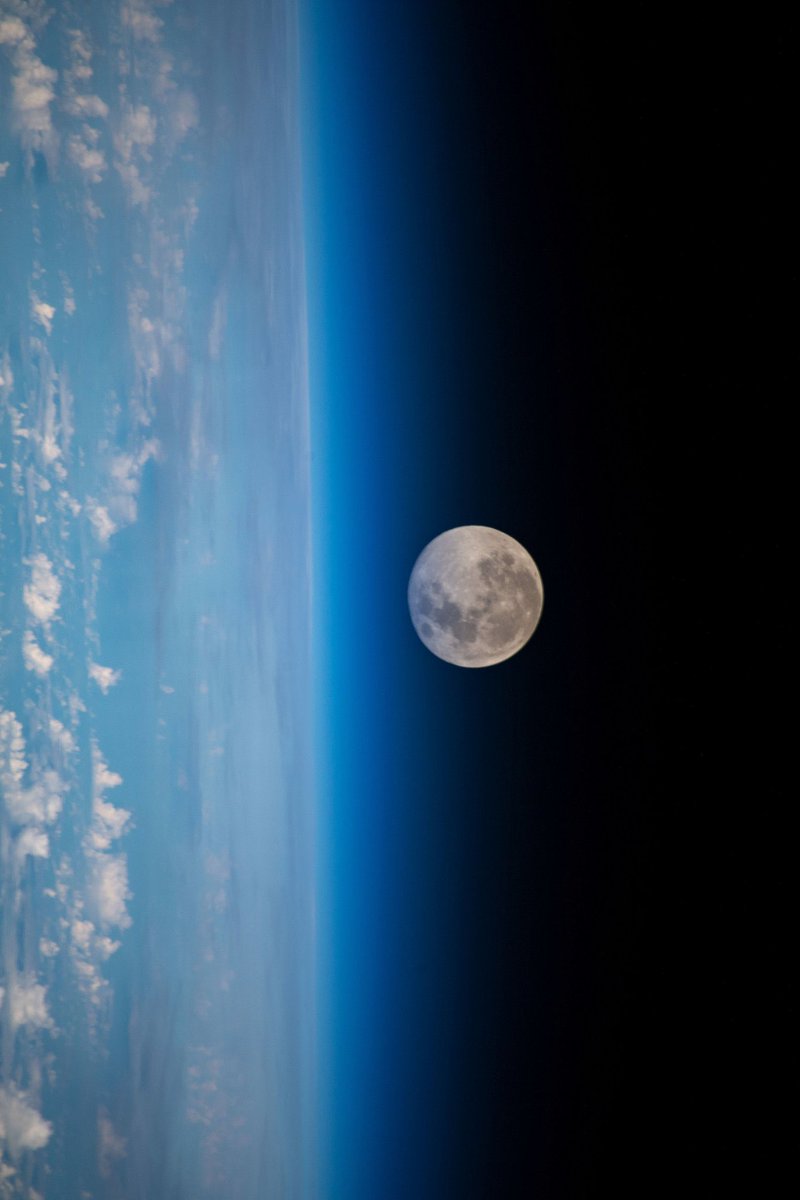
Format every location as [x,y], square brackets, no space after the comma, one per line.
[475,596]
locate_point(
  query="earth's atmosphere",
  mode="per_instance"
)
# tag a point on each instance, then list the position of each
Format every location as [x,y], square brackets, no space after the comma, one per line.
[156,982]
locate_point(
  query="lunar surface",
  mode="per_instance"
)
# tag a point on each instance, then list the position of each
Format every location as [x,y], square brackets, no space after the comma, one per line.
[475,596]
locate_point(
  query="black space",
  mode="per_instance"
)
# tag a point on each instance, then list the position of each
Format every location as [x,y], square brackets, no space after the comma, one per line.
[615,213]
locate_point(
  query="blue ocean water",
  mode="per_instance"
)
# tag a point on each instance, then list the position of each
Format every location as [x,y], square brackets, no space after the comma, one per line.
[156,789]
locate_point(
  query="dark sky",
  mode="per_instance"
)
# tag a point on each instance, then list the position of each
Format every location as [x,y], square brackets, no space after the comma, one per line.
[547,293]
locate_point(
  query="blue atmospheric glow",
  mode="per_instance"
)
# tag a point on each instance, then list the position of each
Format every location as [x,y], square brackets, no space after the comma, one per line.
[383,459]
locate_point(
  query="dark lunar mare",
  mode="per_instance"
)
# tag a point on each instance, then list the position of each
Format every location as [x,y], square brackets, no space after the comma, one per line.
[447,615]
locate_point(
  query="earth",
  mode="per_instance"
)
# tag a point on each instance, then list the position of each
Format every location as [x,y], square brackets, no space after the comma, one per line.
[156,903]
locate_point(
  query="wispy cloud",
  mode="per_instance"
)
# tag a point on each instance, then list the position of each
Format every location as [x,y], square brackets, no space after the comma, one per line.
[183,115]
[219,317]
[146,341]
[110,1146]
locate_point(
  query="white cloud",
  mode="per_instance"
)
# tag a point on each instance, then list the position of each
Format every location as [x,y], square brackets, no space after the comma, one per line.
[120,495]
[104,677]
[41,594]
[91,981]
[34,656]
[108,822]
[102,778]
[183,114]
[80,67]
[104,528]
[125,474]
[82,935]
[144,340]
[38,804]
[45,433]
[6,380]
[108,874]
[132,142]
[61,736]
[43,313]
[48,948]
[110,1146]
[21,1126]
[138,192]
[219,318]
[89,942]
[12,31]
[93,211]
[33,842]
[67,503]
[87,106]
[13,763]
[142,21]
[27,1004]
[33,95]
[4,169]
[32,88]
[105,946]
[88,947]
[88,159]
[108,889]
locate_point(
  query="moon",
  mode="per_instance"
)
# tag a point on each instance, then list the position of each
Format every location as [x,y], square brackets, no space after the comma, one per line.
[475,596]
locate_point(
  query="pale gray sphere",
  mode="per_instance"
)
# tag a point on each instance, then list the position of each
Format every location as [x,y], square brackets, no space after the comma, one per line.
[475,596]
